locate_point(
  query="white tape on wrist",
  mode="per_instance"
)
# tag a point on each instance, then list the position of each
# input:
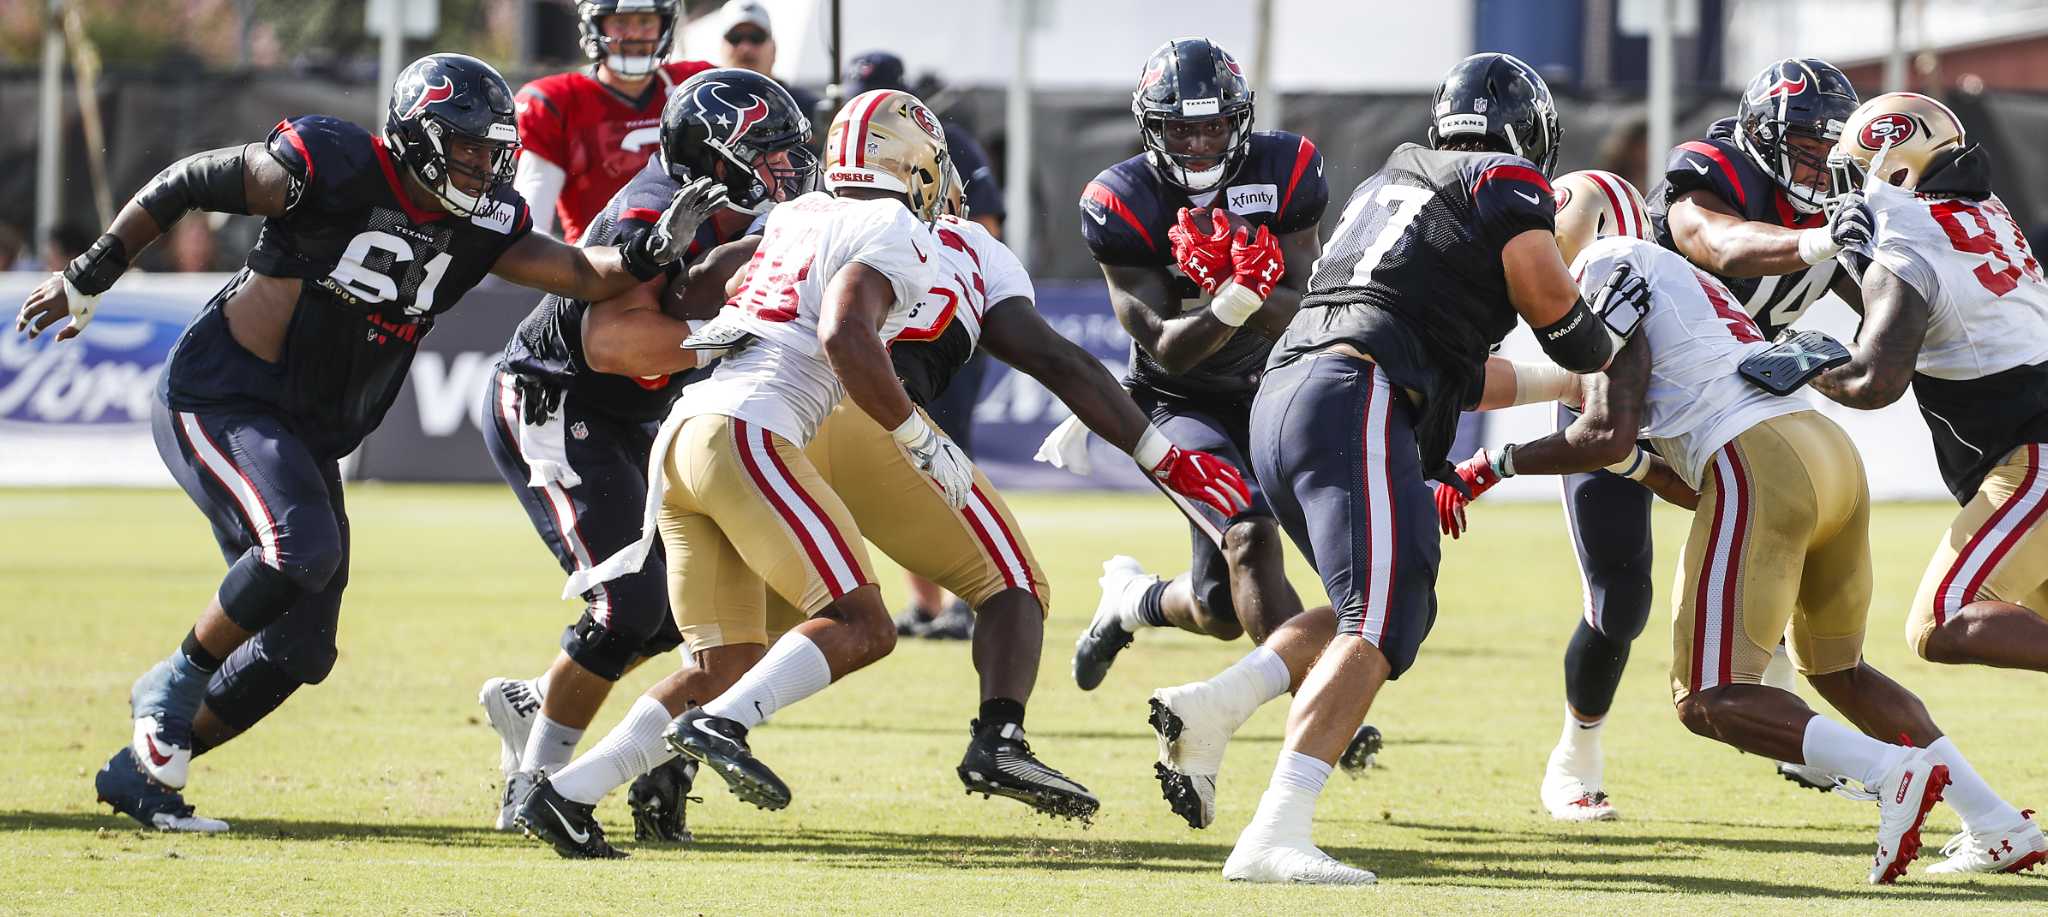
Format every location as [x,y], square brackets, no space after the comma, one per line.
[1233,305]
[82,306]
[1540,382]
[912,431]
[1816,245]
[1636,467]
[1152,449]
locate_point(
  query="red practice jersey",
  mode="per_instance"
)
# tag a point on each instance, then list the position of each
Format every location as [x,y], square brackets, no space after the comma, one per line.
[594,135]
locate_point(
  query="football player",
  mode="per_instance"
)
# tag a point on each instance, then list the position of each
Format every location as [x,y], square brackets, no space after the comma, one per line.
[577,398]
[1780,536]
[1436,256]
[982,298]
[1202,304]
[584,133]
[1743,203]
[1954,307]
[733,498]
[367,239]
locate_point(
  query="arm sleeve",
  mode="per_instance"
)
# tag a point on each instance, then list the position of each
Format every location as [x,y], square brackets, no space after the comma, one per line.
[1113,229]
[540,182]
[1512,198]
[1307,194]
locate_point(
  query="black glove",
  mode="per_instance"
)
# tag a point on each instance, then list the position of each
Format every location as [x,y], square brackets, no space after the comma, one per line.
[538,400]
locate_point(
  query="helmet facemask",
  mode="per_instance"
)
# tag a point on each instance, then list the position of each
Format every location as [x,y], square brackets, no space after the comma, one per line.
[1175,166]
[439,172]
[607,49]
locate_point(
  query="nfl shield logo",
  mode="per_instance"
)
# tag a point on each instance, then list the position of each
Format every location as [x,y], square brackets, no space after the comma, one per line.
[579,431]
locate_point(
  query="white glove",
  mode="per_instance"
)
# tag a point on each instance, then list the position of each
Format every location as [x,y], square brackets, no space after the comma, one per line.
[721,335]
[937,457]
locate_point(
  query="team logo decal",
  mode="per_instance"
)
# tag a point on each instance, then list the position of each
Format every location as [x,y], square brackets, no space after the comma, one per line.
[1784,87]
[1479,105]
[924,119]
[1563,196]
[579,430]
[743,117]
[1893,128]
[1153,74]
[1231,62]
[441,92]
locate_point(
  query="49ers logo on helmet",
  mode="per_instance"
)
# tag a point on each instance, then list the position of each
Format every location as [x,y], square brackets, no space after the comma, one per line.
[440,92]
[924,119]
[1893,128]
[1562,194]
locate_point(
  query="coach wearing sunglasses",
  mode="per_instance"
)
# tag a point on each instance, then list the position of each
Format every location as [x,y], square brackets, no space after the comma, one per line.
[750,44]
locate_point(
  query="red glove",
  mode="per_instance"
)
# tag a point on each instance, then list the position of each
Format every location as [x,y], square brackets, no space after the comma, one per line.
[1204,477]
[1204,255]
[1258,264]
[1478,474]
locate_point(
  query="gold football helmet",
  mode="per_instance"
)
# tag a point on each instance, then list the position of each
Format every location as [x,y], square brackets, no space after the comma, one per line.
[1592,205]
[887,140]
[1909,129]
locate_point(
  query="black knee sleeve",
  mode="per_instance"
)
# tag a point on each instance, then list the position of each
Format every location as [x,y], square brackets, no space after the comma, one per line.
[255,593]
[248,687]
[606,652]
[1593,663]
[666,637]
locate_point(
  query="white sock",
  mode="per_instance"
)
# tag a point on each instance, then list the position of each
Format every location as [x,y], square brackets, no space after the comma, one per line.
[550,745]
[540,684]
[1132,615]
[1288,809]
[793,670]
[1780,673]
[1250,682]
[632,748]
[1968,794]
[1847,752]
[1581,738]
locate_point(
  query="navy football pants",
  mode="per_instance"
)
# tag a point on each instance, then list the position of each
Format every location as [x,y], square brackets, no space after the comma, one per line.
[1223,430]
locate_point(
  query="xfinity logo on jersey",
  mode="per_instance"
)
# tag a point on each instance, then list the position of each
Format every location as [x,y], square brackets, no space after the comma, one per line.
[498,217]
[1245,199]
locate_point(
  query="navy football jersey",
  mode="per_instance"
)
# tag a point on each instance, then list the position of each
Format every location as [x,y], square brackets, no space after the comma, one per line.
[549,342]
[376,270]
[1413,276]
[1719,167]
[1126,211]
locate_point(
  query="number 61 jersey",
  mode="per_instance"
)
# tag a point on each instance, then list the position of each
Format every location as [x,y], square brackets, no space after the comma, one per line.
[375,270]
[1982,374]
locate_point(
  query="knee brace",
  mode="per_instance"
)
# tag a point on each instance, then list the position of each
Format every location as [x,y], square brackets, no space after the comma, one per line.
[605,651]
[255,593]
[248,687]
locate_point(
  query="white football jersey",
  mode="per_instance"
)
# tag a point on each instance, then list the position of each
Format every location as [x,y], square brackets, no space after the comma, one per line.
[975,271]
[1698,334]
[782,380]
[1987,304]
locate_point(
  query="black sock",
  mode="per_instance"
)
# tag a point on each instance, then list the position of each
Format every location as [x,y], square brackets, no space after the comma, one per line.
[196,653]
[998,710]
[1150,609]
[1593,664]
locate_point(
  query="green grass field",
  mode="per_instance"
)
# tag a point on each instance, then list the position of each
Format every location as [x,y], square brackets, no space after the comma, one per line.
[373,792]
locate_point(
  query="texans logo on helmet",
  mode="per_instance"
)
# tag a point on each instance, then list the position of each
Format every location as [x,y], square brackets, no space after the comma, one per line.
[924,119]
[1894,128]
[1231,62]
[1153,74]
[1784,87]
[440,92]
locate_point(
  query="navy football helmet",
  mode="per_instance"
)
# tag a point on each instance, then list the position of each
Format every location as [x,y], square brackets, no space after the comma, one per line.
[1795,98]
[1193,79]
[742,119]
[1497,96]
[439,98]
[590,34]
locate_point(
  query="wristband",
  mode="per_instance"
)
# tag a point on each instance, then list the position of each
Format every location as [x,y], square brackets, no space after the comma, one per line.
[1234,304]
[1817,245]
[94,271]
[912,431]
[1636,467]
[1503,462]
[1152,448]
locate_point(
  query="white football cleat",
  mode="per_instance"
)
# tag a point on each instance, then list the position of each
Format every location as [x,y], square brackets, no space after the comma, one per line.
[511,705]
[1823,780]
[1571,788]
[1123,580]
[1299,863]
[162,758]
[1904,797]
[1194,727]
[2014,848]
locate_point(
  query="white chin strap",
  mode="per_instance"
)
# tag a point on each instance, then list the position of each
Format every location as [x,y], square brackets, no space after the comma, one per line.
[622,65]
[1804,198]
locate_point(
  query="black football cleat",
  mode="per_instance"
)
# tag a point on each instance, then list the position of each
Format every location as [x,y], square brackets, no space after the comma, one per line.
[722,743]
[123,784]
[1364,749]
[567,825]
[955,623]
[1000,763]
[658,800]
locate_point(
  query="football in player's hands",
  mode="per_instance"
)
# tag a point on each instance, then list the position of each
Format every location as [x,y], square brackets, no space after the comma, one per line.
[1201,244]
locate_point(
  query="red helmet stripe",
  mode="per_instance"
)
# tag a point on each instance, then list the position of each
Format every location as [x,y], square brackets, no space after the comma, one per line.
[858,128]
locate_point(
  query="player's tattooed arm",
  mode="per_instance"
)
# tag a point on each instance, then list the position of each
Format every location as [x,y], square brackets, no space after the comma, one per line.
[545,263]
[1017,334]
[1301,249]
[1711,234]
[1608,423]
[1887,347]
[1145,304]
